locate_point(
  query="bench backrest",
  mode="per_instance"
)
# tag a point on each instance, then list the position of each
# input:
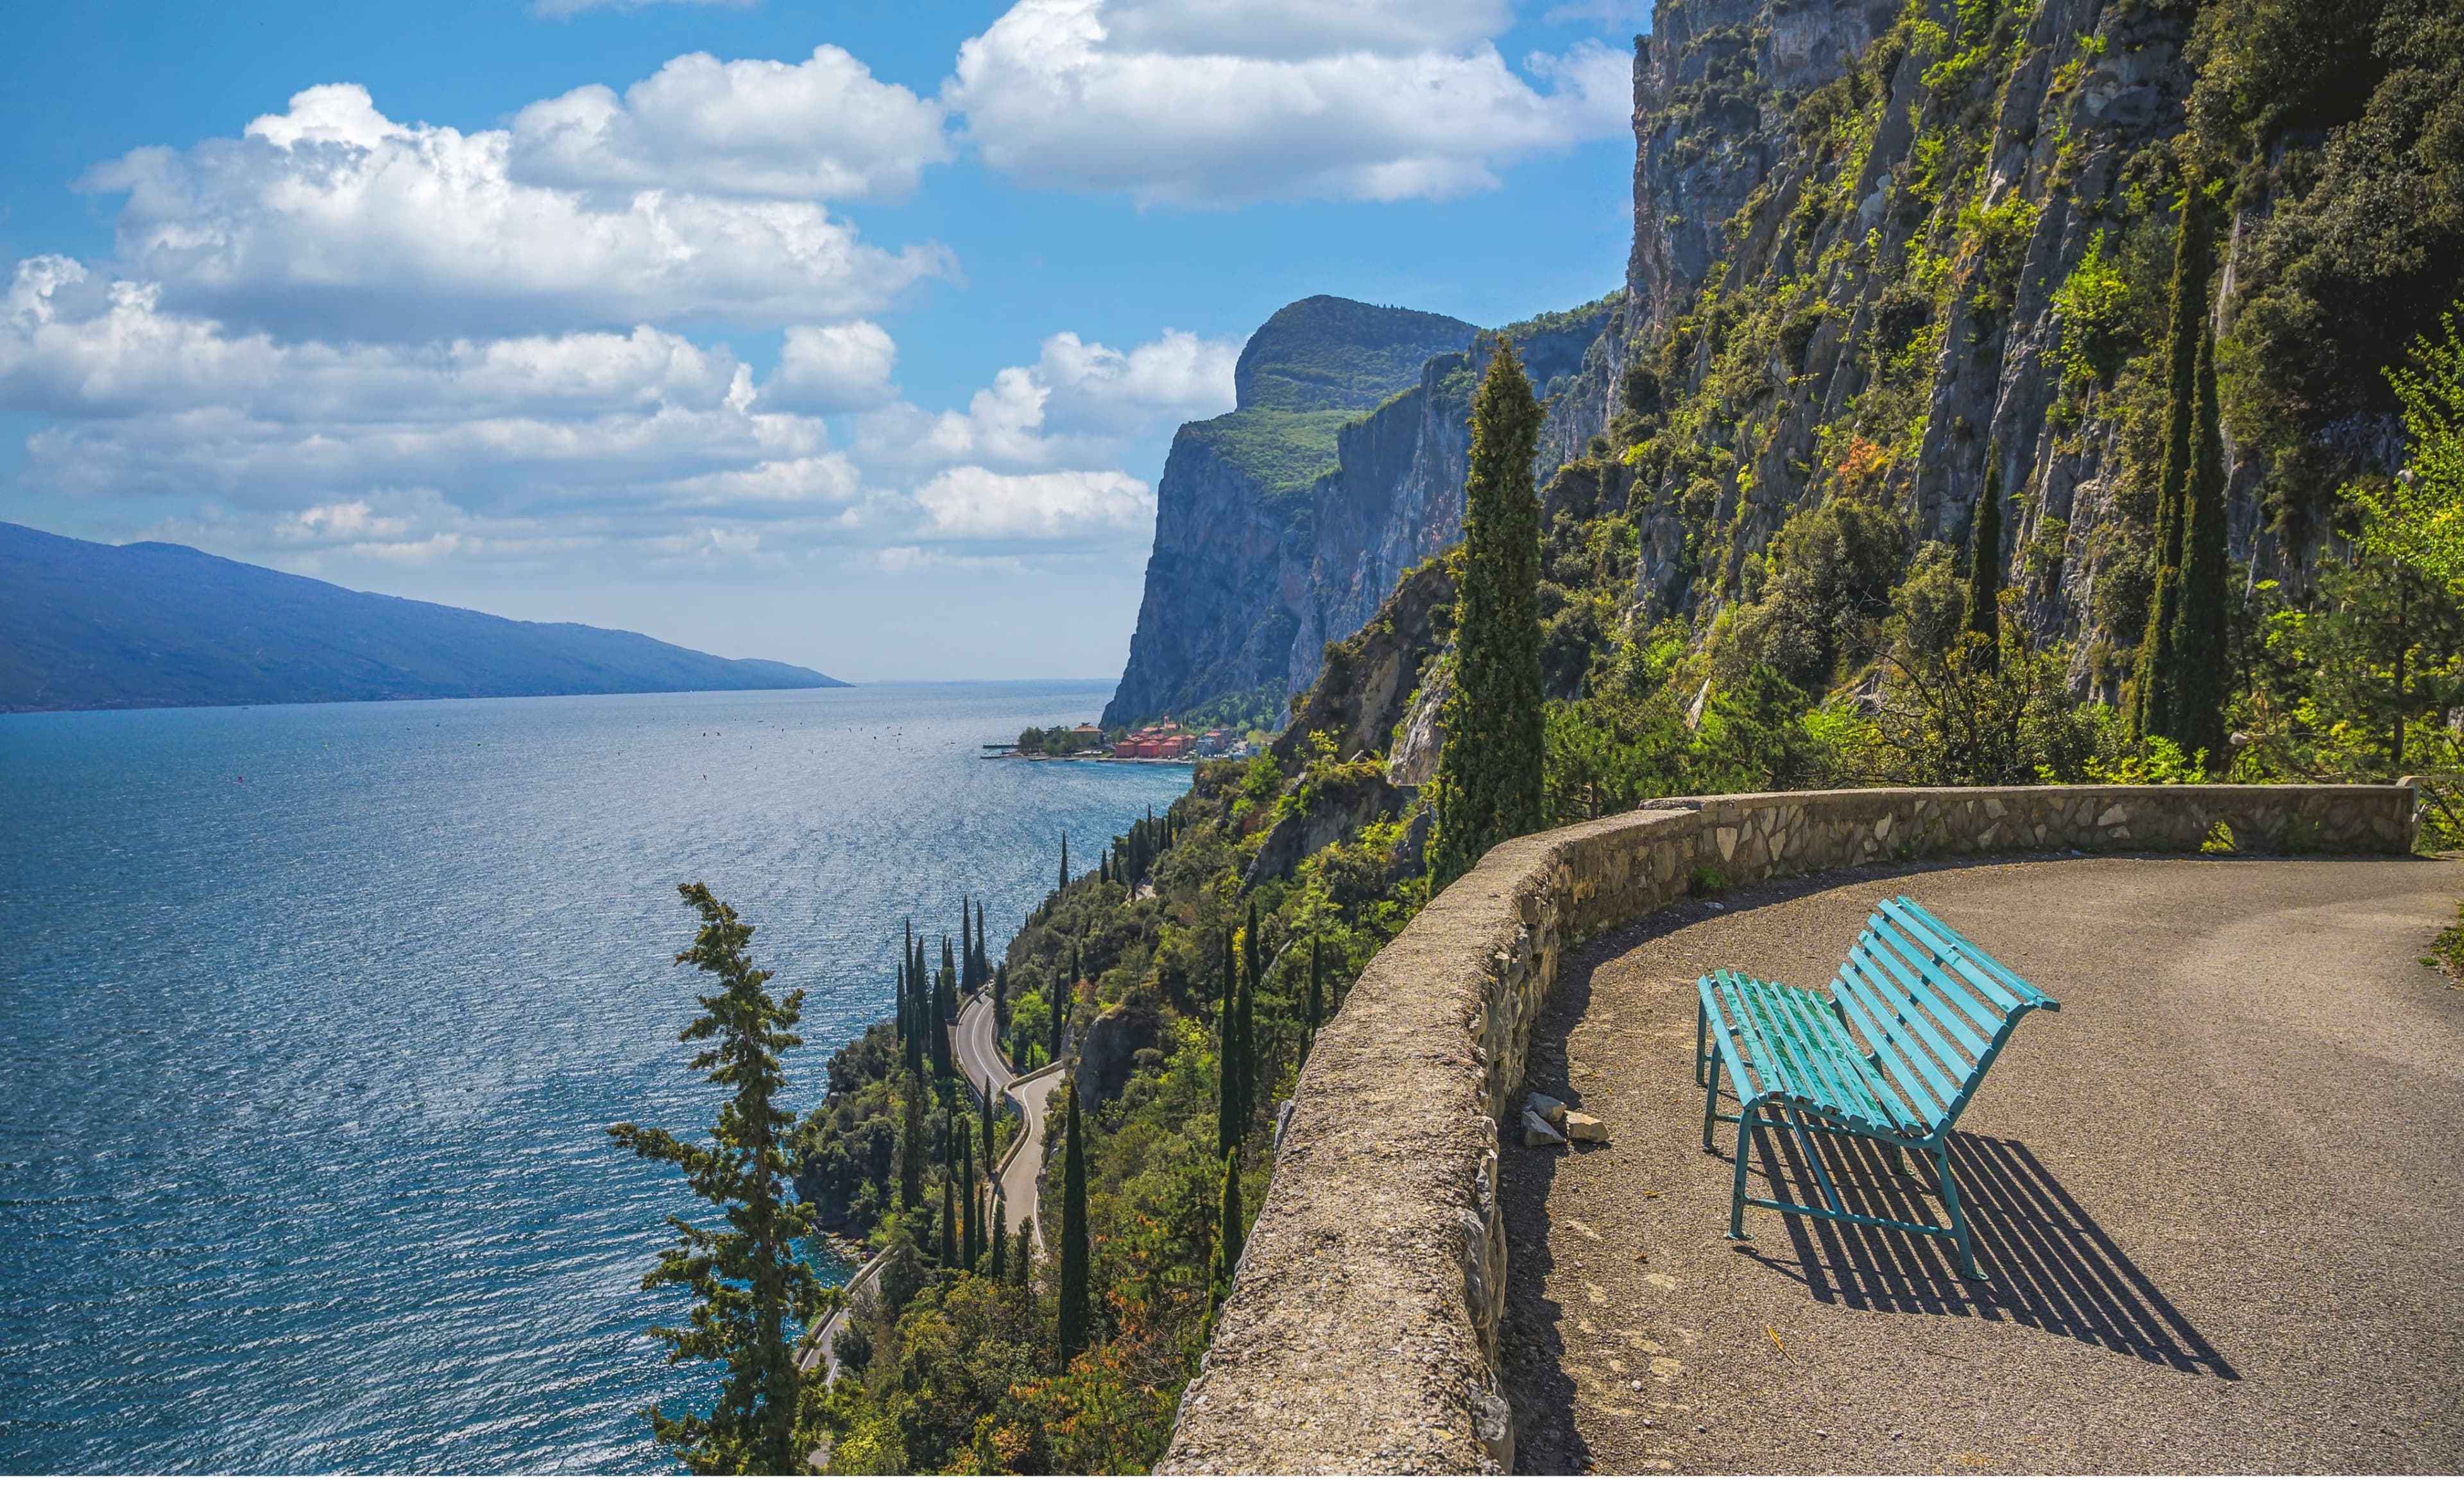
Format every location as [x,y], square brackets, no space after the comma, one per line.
[1932,1008]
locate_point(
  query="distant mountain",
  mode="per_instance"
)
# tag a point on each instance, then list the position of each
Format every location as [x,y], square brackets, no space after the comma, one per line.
[85,626]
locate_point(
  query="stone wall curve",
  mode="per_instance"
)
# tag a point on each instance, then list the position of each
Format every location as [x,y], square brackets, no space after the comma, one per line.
[1360,1336]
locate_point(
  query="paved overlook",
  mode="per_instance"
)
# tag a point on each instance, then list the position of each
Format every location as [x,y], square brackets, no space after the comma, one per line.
[2220,1194]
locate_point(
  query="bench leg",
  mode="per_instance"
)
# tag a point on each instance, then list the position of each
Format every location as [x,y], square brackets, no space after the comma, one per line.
[1710,1102]
[1747,1113]
[1702,1038]
[1967,1267]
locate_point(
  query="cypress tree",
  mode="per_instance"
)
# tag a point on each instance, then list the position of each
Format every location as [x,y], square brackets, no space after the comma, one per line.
[948,1011]
[1313,1016]
[1248,1060]
[1487,786]
[1227,1065]
[1984,616]
[969,1244]
[910,1145]
[1251,960]
[906,1022]
[1001,998]
[2199,670]
[1021,1255]
[988,1121]
[1060,1021]
[2193,257]
[999,1269]
[1065,862]
[949,1257]
[1073,1320]
[749,1285]
[1228,1234]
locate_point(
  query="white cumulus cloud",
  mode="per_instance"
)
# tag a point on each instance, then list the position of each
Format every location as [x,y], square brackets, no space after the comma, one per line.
[821,128]
[843,367]
[1213,102]
[332,219]
[976,503]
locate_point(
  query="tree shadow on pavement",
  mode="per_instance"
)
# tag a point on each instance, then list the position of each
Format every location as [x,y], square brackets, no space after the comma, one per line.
[2053,1268]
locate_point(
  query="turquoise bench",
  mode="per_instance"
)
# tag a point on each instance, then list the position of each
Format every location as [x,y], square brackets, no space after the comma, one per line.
[1894,1053]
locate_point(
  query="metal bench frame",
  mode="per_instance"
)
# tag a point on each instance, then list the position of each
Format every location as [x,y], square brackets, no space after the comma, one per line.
[1893,1054]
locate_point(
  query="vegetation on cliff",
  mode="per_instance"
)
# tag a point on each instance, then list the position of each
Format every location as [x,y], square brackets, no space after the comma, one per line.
[1961,459]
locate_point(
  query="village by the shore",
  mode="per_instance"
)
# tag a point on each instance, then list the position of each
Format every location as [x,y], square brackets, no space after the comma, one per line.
[1163,742]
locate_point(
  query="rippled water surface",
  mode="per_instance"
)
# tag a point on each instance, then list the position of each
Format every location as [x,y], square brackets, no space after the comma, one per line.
[316,1015]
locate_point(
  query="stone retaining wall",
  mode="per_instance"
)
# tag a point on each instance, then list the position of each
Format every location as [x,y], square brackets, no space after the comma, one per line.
[1361,1333]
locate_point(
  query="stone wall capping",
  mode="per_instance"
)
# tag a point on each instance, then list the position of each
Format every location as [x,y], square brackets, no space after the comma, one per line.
[1361,1336]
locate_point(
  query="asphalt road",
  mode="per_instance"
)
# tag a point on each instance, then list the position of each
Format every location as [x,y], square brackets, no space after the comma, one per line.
[2221,1194]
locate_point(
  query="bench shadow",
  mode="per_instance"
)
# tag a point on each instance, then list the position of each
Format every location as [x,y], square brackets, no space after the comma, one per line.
[2053,1268]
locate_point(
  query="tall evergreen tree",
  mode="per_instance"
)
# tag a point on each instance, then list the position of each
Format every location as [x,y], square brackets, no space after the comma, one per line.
[1001,998]
[1983,612]
[1252,961]
[1313,1017]
[1489,779]
[970,1245]
[986,1121]
[1021,1254]
[1228,1233]
[1248,1059]
[998,1269]
[911,1144]
[1065,862]
[948,1008]
[2200,683]
[2193,262]
[1227,1064]
[1073,1321]
[748,1287]
[949,1251]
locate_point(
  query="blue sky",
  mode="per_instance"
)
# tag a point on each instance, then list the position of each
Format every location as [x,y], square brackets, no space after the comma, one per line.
[851,334]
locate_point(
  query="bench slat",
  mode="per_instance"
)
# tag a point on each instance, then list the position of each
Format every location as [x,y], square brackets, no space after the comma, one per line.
[1893,1015]
[1981,1013]
[1841,1085]
[1874,1035]
[2023,992]
[1916,1021]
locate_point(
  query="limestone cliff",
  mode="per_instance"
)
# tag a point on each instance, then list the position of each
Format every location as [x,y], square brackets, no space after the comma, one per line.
[1283,526]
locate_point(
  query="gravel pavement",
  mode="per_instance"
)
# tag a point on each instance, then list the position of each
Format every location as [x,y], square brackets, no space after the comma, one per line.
[2220,1194]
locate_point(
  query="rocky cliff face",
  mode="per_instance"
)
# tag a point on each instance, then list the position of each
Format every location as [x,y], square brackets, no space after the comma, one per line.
[1236,510]
[1254,574]
[1850,241]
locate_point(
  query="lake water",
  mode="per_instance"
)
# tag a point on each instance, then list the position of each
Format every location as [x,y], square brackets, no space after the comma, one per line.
[316,1016]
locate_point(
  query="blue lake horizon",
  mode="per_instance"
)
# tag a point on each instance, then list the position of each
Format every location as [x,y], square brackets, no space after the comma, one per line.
[318,1015]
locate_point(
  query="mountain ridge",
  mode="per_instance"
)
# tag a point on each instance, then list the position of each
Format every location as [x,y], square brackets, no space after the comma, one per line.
[88,626]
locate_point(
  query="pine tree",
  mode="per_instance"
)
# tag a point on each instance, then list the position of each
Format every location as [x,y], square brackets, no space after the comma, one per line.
[1983,615]
[910,1145]
[1073,1321]
[2193,257]
[1487,786]
[748,1287]
[998,1269]
[2200,682]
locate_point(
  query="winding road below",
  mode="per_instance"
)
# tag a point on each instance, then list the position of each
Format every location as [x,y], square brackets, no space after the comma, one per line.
[978,1050]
